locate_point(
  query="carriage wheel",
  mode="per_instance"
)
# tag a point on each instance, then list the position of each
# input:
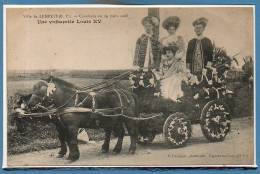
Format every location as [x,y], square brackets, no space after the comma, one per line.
[146,140]
[215,120]
[177,130]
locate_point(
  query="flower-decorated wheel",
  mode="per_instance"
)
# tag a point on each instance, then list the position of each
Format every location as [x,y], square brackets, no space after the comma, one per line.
[215,120]
[177,130]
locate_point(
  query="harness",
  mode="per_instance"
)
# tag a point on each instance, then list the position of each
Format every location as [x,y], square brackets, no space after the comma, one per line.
[91,95]
[55,113]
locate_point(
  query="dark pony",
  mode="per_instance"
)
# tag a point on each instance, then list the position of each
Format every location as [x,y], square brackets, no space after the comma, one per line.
[56,94]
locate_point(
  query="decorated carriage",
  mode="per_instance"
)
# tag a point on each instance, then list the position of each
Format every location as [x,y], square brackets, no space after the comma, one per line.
[206,101]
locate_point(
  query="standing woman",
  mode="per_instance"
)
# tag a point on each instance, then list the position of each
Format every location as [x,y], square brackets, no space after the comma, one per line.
[171,24]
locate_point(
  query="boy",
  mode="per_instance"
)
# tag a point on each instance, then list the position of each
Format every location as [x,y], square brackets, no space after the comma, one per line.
[147,52]
[200,49]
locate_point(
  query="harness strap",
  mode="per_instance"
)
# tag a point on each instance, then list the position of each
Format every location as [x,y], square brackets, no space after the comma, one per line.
[217,90]
[76,99]
[120,100]
[83,101]
[93,95]
[127,98]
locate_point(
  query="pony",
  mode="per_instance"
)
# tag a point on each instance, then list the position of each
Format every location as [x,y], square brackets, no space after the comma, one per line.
[113,109]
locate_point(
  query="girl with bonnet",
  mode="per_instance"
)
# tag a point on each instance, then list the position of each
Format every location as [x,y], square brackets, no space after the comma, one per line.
[174,73]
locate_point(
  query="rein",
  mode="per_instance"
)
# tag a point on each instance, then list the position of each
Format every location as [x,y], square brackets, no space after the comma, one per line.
[116,79]
[76,109]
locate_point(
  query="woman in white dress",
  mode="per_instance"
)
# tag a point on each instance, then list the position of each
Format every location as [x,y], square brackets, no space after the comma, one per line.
[172,65]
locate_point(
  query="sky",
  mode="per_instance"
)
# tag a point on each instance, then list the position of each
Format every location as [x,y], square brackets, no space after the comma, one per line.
[111,43]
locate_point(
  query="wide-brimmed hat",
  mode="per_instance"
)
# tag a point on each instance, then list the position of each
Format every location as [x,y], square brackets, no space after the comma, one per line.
[171,21]
[172,47]
[203,21]
[151,19]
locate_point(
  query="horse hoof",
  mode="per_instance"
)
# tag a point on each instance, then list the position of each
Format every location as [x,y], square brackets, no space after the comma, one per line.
[116,151]
[73,158]
[104,150]
[60,155]
[132,152]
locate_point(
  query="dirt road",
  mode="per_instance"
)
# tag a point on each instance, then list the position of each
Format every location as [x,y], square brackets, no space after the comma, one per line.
[236,149]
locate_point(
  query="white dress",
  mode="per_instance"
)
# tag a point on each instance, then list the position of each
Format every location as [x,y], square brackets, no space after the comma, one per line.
[172,79]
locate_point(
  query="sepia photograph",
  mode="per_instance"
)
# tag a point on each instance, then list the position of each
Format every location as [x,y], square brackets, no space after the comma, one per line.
[129,86]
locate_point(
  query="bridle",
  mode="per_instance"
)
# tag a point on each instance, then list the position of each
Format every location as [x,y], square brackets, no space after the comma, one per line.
[46,98]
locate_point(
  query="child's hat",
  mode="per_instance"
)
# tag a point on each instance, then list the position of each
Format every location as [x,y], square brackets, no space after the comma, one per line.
[172,47]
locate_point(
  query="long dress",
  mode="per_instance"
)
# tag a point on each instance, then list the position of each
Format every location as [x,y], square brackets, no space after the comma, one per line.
[172,78]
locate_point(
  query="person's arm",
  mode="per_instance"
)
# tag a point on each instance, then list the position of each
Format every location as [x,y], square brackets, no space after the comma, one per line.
[189,56]
[210,50]
[157,59]
[137,49]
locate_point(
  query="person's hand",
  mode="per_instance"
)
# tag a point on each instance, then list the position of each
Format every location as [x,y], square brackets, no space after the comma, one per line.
[136,68]
[188,66]
[251,78]
[153,70]
[204,72]
[196,96]
[157,75]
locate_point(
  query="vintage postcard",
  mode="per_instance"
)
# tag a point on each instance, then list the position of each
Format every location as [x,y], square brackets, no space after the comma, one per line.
[129,86]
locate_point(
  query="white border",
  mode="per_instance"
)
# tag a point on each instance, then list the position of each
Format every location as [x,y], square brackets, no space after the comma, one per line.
[4,165]
[254,59]
[122,6]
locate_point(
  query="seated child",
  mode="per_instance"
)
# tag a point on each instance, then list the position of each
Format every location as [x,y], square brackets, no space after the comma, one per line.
[173,72]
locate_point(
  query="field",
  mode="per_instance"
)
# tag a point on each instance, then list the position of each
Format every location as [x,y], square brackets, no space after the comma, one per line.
[40,136]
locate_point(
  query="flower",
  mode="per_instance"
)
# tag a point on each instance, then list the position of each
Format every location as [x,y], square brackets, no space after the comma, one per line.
[141,83]
[50,89]
[151,80]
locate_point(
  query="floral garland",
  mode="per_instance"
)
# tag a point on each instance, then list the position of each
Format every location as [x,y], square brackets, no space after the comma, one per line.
[142,79]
